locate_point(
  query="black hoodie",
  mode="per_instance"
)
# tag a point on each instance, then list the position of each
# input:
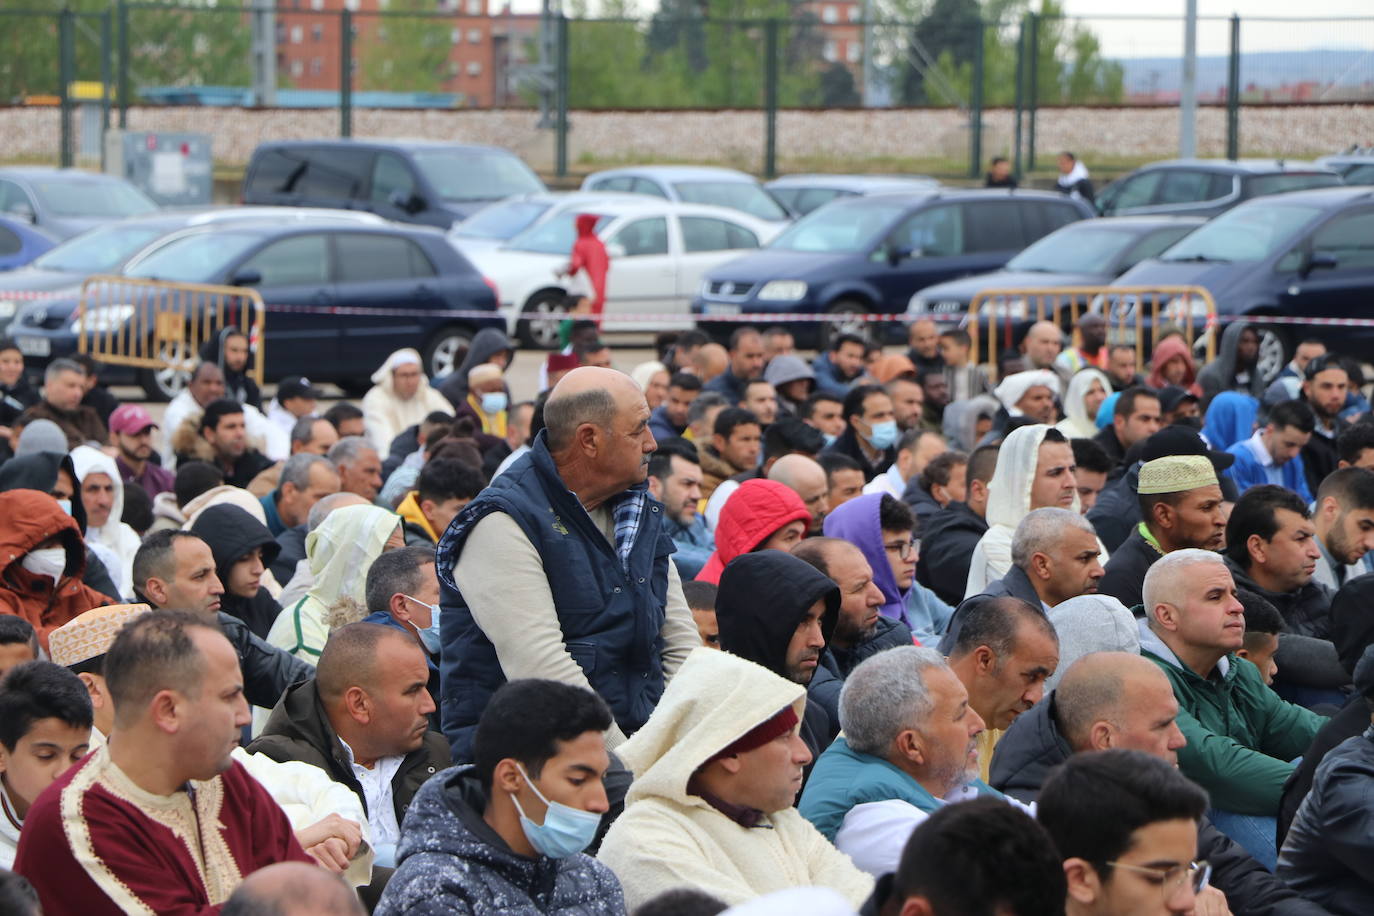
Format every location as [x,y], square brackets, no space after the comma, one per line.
[487,343]
[232,533]
[237,385]
[763,597]
[947,543]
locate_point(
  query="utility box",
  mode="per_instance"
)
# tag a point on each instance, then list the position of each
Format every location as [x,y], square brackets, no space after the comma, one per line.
[174,169]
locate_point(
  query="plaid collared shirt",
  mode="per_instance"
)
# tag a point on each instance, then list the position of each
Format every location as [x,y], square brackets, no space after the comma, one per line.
[626,513]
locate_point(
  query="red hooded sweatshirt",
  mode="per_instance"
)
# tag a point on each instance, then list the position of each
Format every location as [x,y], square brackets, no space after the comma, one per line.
[748,518]
[590,255]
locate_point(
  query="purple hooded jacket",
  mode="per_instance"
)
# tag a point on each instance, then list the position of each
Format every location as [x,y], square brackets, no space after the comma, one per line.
[857,522]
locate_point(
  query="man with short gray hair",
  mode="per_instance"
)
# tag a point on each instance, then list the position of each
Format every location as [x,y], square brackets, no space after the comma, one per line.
[313,434]
[561,567]
[64,385]
[305,479]
[909,745]
[360,468]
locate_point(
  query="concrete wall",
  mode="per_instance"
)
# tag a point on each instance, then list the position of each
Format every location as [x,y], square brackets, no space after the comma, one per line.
[737,137]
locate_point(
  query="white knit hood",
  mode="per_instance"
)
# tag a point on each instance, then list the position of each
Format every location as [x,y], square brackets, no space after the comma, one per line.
[1009,491]
[86,461]
[1076,423]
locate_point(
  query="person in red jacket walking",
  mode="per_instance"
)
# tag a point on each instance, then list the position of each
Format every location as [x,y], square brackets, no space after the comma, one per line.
[589,255]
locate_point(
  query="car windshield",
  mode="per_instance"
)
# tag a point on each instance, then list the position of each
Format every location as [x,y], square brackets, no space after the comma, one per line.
[461,175]
[737,195]
[840,228]
[200,258]
[554,236]
[1278,184]
[1091,247]
[92,199]
[1248,233]
[504,220]
[99,251]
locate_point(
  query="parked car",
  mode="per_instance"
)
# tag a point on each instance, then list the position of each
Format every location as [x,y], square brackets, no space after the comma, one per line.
[413,181]
[318,264]
[692,184]
[1206,187]
[503,220]
[801,194]
[20,243]
[1085,253]
[1309,253]
[659,252]
[66,202]
[871,254]
[107,249]
[1355,165]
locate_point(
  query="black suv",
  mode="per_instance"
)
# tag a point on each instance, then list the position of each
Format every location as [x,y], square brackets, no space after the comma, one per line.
[431,183]
[1206,187]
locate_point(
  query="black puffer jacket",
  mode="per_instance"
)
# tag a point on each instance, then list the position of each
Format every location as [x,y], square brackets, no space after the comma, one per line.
[232,533]
[298,729]
[1306,611]
[1033,745]
[947,543]
[1352,720]
[836,663]
[267,670]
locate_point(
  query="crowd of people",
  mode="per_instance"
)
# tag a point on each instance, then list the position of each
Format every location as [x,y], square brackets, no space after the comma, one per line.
[886,631]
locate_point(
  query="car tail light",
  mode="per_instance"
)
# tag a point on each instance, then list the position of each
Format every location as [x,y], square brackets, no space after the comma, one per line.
[494,291]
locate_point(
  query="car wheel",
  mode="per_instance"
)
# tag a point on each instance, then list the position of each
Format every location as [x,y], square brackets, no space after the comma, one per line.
[546,310]
[844,322]
[1273,352]
[446,351]
[169,380]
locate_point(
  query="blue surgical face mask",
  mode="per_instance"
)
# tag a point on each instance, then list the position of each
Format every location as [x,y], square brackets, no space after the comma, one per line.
[829,439]
[884,435]
[65,505]
[430,634]
[494,402]
[565,831]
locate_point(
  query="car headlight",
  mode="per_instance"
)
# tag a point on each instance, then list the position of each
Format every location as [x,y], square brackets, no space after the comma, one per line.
[1181,308]
[8,307]
[101,320]
[918,305]
[1002,307]
[782,291]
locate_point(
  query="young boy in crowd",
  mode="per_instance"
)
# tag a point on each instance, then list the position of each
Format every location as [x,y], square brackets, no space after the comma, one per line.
[701,598]
[966,380]
[1263,623]
[45,727]
[18,642]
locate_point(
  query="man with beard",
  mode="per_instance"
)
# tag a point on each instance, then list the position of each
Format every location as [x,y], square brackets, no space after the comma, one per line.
[935,388]
[910,746]
[1344,519]
[1326,386]
[131,431]
[1181,504]
[675,481]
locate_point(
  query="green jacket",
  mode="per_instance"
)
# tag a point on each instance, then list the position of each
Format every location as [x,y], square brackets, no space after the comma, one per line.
[1241,736]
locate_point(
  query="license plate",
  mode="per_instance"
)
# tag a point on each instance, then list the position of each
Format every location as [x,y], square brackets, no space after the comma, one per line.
[34,346]
[719,308]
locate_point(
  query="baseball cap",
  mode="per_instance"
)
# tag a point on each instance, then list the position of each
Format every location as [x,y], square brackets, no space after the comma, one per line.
[1170,396]
[297,386]
[130,419]
[1183,440]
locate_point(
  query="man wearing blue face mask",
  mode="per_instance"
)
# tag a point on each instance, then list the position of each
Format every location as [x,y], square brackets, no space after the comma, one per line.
[402,592]
[487,400]
[508,833]
[870,435]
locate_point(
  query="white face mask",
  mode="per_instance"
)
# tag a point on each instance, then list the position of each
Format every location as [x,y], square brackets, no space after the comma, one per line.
[50,561]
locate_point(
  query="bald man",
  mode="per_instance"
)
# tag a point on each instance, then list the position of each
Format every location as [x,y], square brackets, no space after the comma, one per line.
[1119,700]
[1042,344]
[560,569]
[293,889]
[807,479]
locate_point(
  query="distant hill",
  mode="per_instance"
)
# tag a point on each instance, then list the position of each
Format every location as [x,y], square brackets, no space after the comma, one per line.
[1263,69]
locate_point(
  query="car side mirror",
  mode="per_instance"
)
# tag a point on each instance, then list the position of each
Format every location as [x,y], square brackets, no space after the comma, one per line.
[246,278]
[896,254]
[616,250]
[1320,260]
[410,203]
[22,210]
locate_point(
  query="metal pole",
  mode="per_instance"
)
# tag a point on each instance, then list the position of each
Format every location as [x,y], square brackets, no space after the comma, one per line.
[770,99]
[1020,97]
[975,108]
[1187,108]
[64,74]
[561,116]
[868,68]
[1233,93]
[122,88]
[1034,61]
[346,73]
[263,52]
[106,51]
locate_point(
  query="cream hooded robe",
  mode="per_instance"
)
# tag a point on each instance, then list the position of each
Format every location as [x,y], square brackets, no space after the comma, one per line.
[385,415]
[1076,423]
[117,538]
[668,838]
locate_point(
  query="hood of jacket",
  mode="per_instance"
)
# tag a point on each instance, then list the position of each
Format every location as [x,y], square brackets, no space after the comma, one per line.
[1224,366]
[85,461]
[1009,491]
[960,420]
[586,224]
[1014,387]
[1080,425]
[787,368]
[343,548]
[406,356]
[1230,419]
[714,700]
[1151,645]
[1091,623]
[757,618]
[231,533]
[212,351]
[39,472]
[487,343]
[754,511]
[1170,349]
[223,495]
[857,522]
[1025,754]
[31,517]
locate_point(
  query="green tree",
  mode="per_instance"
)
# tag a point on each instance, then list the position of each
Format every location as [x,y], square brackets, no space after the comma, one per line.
[405,53]
[838,89]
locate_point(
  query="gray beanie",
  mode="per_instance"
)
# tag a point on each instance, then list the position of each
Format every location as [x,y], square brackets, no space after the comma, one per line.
[1088,624]
[41,436]
[787,368]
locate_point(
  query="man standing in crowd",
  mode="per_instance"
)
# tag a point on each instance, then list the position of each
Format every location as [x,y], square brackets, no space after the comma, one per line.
[1181,502]
[999,174]
[160,819]
[675,481]
[1135,417]
[1042,344]
[923,345]
[516,582]
[1091,349]
[1073,178]
[746,363]
[131,429]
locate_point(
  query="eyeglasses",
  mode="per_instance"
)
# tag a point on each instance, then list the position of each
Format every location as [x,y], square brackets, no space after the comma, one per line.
[905,549]
[1172,880]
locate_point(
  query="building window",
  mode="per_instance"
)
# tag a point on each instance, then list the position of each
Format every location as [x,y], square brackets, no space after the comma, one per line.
[317,4]
[316,66]
[474,7]
[352,5]
[855,14]
[454,68]
[474,68]
[455,36]
[474,36]
[830,52]
[281,33]
[297,67]
[854,52]
[297,33]
[317,33]
[830,14]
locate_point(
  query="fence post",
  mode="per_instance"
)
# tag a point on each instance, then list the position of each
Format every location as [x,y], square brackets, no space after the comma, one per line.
[122,87]
[975,107]
[561,97]
[1233,92]
[64,74]
[770,99]
[1020,96]
[346,72]
[1034,99]
[106,50]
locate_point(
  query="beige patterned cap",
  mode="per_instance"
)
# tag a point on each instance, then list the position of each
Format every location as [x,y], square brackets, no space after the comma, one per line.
[1175,474]
[90,635]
